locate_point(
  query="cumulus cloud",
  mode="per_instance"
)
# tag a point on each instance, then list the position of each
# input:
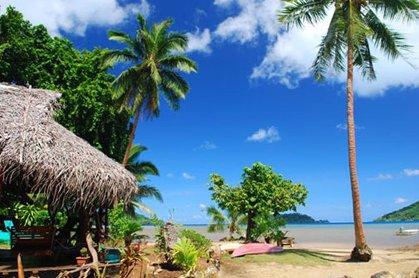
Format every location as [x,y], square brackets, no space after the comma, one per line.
[381,177]
[255,17]
[76,15]
[187,176]
[207,145]
[269,135]
[289,55]
[199,41]
[400,200]
[411,172]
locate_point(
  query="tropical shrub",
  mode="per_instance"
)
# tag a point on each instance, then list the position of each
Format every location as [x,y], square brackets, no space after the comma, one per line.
[123,226]
[185,255]
[201,243]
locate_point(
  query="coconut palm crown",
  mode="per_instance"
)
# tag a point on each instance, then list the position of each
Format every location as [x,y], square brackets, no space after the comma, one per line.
[157,58]
[353,26]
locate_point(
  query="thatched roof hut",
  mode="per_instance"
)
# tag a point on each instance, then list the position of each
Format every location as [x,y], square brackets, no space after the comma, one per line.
[44,156]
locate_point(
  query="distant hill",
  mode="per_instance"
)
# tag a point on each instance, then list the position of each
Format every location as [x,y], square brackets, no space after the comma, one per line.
[298,218]
[409,213]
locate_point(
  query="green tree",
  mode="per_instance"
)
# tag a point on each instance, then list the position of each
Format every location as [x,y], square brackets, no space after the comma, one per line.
[157,57]
[31,56]
[220,221]
[261,193]
[353,26]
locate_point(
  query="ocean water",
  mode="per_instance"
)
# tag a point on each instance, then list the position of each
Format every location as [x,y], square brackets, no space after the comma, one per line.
[333,235]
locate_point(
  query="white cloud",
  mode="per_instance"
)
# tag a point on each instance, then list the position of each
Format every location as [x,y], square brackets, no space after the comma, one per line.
[187,176]
[411,172]
[342,126]
[207,145]
[223,3]
[269,135]
[199,41]
[255,17]
[202,206]
[400,200]
[170,175]
[76,15]
[381,177]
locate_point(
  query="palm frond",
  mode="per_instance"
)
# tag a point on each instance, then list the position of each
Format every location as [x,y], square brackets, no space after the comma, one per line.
[112,57]
[390,42]
[298,12]
[149,191]
[142,207]
[180,62]
[364,60]
[403,9]
[330,48]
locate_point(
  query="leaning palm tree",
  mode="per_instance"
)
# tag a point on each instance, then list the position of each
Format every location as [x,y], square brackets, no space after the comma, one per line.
[353,26]
[141,169]
[156,58]
[220,221]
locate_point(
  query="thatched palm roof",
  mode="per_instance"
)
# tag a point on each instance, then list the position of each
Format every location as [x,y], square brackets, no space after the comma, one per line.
[37,151]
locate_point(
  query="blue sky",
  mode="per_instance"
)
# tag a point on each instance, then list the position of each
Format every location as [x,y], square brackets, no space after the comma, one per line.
[253,100]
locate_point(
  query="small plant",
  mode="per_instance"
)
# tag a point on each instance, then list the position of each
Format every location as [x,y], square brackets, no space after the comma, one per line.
[201,243]
[84,252]
[185,255]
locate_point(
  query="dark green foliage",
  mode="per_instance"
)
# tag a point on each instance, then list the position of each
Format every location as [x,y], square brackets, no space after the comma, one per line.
[298,218]
[409,213]
[31,56]
[261,193]
[201,243]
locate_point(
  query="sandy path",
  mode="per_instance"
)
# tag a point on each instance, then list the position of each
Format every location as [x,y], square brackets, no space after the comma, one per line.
[395,261]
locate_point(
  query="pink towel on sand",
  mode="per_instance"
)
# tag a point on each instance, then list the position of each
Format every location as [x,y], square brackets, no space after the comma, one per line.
[256,248]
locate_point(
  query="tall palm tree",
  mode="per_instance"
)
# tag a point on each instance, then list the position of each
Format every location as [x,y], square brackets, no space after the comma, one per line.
[140,169]
[220,221]
[156,58]
[353,26]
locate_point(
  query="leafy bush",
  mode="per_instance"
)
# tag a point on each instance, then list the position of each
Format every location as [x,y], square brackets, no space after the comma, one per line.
[31,214]
[185,255]
[123,226]
[201,243]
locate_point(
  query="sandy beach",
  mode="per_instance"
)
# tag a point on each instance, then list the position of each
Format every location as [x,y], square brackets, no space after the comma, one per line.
[322,251]
[400,263]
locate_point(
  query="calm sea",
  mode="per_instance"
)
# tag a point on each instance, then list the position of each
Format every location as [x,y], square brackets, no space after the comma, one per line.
[333,235]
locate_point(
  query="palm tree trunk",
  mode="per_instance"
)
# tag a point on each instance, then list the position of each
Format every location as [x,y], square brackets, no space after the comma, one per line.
[361,250]
[131,137]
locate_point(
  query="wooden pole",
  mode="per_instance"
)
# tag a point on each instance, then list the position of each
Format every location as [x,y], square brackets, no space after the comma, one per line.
[20,271]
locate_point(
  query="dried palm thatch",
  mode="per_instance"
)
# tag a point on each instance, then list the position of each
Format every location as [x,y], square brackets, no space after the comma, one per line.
[44,156]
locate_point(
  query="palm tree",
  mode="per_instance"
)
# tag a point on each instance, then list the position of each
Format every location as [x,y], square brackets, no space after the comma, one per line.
[140,169]
[157,58]
[353,26]
[220,221]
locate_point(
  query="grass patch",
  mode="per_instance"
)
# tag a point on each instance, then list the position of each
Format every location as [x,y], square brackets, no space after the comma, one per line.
[290,257]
